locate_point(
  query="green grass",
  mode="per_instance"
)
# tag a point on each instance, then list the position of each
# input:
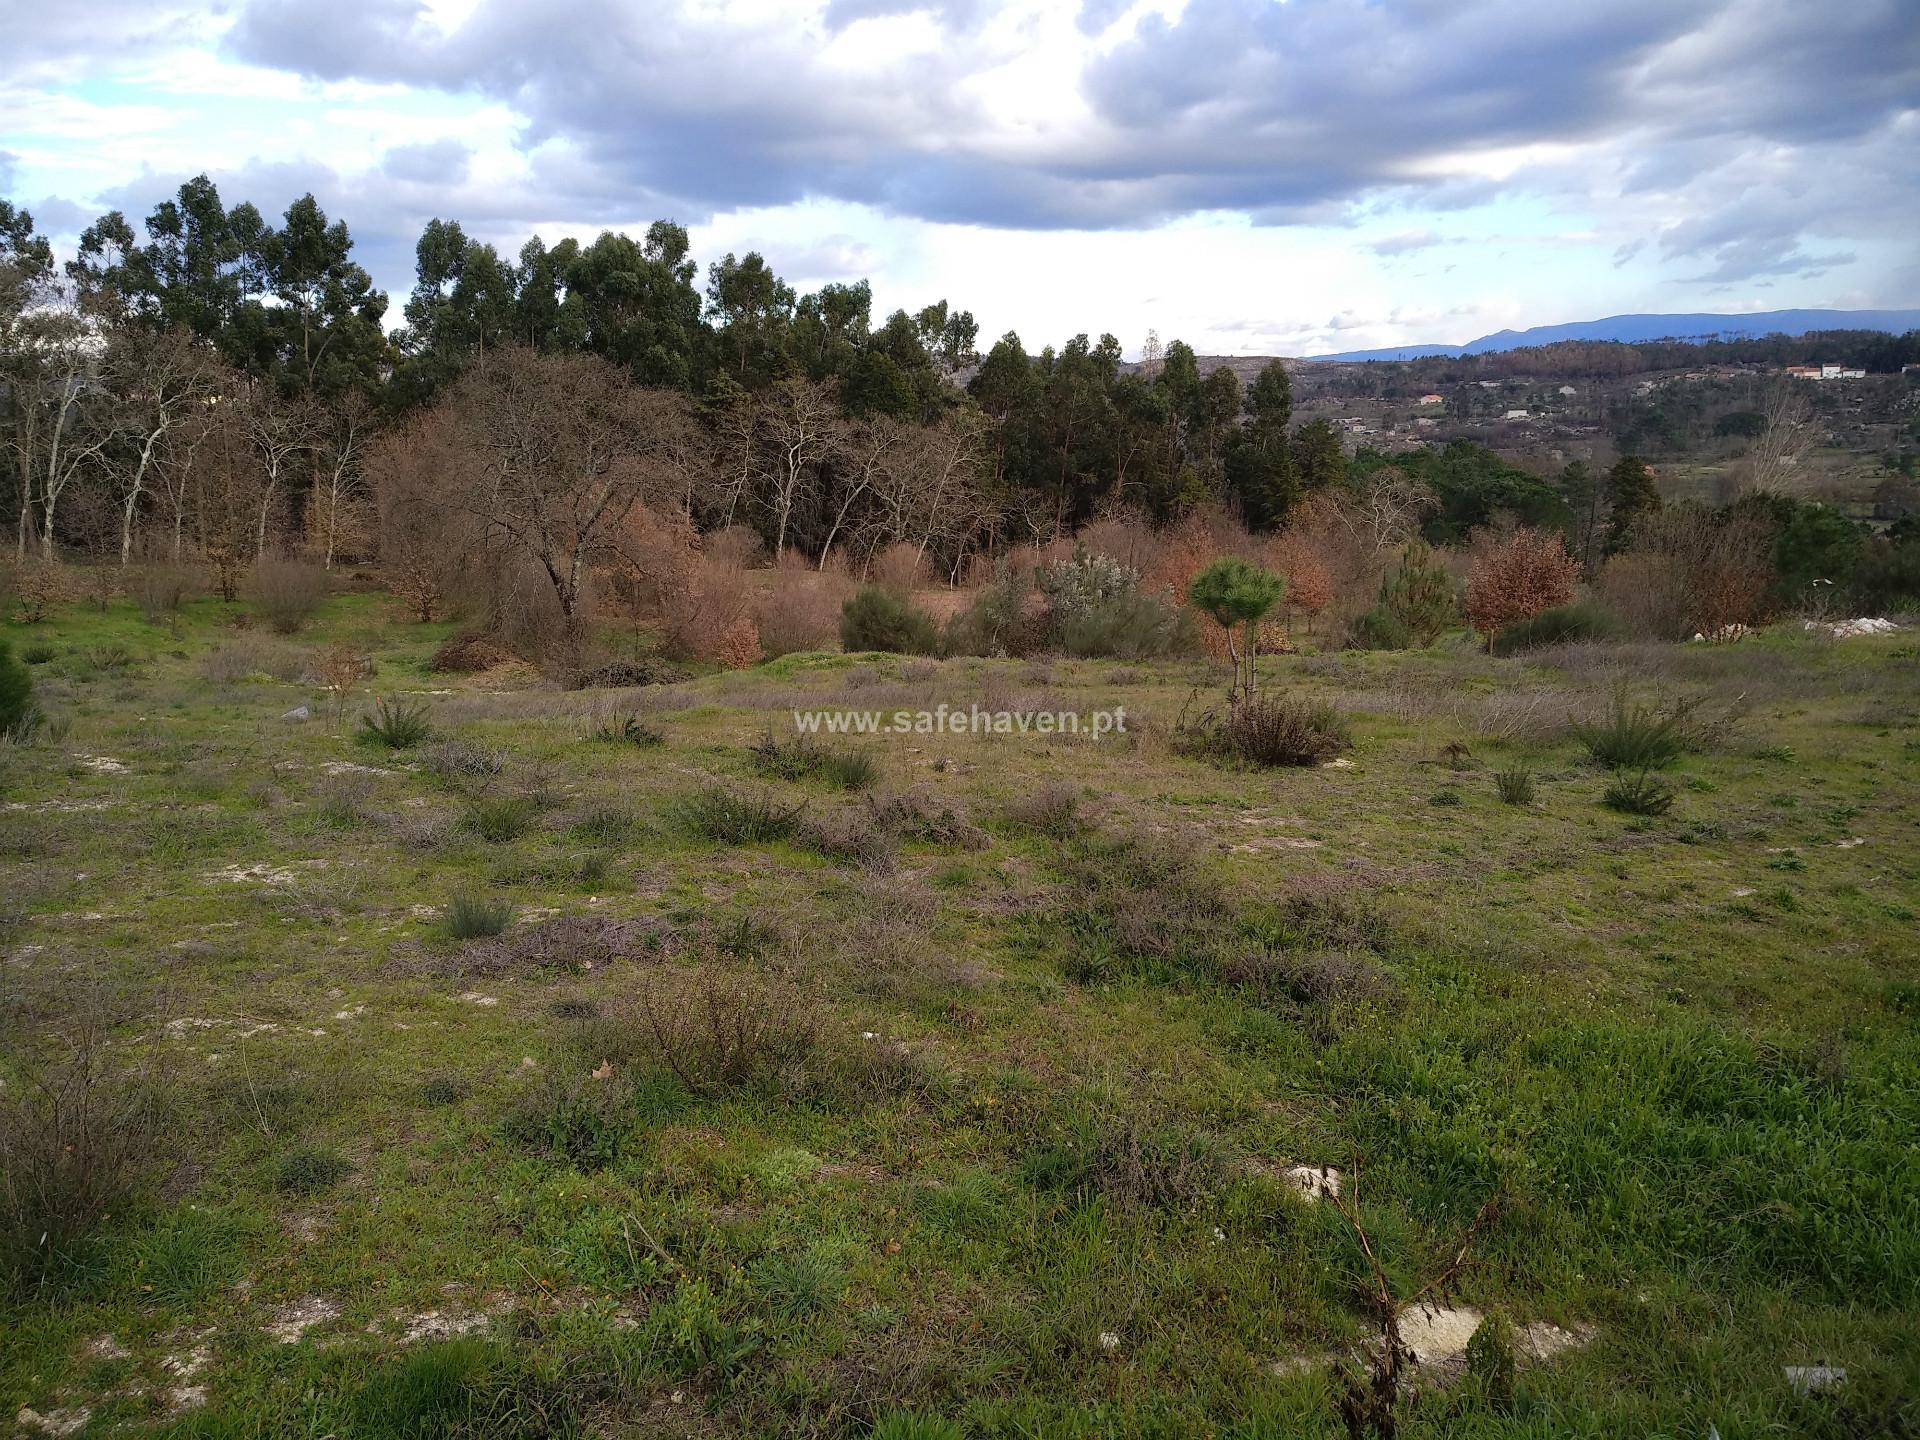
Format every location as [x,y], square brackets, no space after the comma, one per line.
[472,917]
[1052,1078]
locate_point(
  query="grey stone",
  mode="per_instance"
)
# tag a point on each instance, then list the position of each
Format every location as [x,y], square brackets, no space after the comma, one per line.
[299,712]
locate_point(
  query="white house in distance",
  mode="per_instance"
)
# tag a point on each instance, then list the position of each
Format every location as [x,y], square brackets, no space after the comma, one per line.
[1825,372]
[1519,415]
[1433,399]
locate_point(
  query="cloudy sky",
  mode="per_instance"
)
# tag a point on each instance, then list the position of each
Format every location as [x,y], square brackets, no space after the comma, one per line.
[1254,176]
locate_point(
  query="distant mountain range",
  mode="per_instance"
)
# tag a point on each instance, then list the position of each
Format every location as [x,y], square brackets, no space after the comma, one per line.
[1632,329]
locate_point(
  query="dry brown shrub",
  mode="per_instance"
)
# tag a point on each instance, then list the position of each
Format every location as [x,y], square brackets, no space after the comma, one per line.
[1514,579]
[287,593]
[798,608]
[37,588]
[738,646]
[1125,536]
[689,594]
[736,547]
[1294,557]
[468,653]
[1648,592]
[900,568]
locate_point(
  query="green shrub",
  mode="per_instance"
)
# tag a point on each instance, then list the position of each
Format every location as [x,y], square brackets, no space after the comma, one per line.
[443,1089]
[108,657]
[36,652]
[1416,598]
[873,619]
[1131,626]
[1640,737]
[16,692]
[499,818]
[1639,793]
[1515,787]
[1447,797]
[396,724]
[605,822]
[307,1171]
[906,1425]
[1380,629]
[471,1388]
[1559,626]
[738,817]
[849,769]
[472,917]
[575,1119]
[1000,621]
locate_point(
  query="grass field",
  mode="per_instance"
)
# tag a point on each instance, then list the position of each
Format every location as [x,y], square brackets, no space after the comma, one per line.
[960,1096]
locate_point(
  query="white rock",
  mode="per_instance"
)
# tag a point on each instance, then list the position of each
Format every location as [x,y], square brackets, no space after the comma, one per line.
[1316,1182]
[1814,1379]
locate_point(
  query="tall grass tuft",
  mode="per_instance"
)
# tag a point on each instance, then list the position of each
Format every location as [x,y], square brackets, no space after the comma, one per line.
[1515,787]
[473,917]
[626,730]
[499,818]
[396,724]
[1639,793]
[738,817]
[1640,736]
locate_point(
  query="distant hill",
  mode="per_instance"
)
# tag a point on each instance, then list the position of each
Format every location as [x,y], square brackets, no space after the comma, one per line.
[1633,329]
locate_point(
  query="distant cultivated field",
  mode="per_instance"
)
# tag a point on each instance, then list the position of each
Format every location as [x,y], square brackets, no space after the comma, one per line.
[949,1085]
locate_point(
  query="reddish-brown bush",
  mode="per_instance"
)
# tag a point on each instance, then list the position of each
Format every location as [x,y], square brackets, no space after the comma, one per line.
[1514,579]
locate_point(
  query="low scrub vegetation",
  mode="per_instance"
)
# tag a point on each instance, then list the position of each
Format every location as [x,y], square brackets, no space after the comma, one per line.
[1268,731]
[801,757]
[738,817]
[78,1140]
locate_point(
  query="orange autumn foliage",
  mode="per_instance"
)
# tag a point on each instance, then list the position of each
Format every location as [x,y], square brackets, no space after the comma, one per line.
[1515,578]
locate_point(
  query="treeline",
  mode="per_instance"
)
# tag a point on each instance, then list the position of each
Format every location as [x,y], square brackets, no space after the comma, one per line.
[1874,351]
[585,427]
[112,361]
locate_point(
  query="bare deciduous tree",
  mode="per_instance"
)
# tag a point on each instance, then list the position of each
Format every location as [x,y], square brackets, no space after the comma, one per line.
[800,426]
[278,430]
[334,507]
[1786,435]
[558,449]
[162,381]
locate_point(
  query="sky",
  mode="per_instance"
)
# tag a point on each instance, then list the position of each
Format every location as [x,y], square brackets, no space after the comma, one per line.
[1252,176]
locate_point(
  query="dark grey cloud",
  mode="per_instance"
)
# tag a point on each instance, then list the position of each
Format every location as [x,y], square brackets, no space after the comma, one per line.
[1759,137]
[1286,112]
